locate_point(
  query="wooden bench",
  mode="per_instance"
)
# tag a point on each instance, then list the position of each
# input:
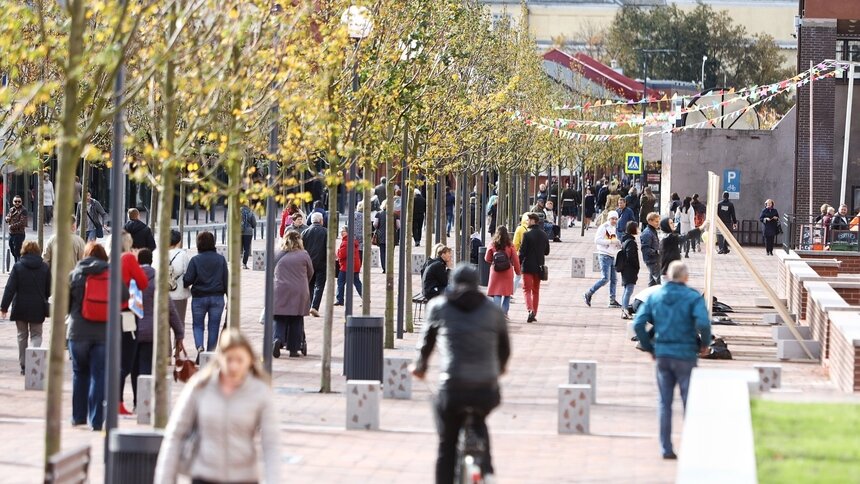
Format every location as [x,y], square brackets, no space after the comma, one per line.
[70,467]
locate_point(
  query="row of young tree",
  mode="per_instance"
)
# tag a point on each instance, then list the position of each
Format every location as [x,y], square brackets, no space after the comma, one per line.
[212,90]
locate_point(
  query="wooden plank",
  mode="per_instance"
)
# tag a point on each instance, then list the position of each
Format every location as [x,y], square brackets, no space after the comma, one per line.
[711,214]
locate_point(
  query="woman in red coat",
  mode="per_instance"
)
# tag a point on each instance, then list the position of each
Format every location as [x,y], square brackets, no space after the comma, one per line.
[341,262]
[503,266]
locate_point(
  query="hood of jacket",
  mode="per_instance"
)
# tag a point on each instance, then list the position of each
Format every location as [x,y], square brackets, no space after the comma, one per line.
[91,265]
[465,298]
[134,226]
[664,225]
[626,237]
[31,261]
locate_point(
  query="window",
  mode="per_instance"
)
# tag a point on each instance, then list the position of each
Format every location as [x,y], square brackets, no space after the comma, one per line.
[848,50]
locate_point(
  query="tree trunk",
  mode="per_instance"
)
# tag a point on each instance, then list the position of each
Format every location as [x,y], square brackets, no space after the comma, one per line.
[69,151]
[330,281]
[390,243]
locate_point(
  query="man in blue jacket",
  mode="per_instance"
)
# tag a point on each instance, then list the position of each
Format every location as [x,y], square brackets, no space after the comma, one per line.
[625,214]
[680,317]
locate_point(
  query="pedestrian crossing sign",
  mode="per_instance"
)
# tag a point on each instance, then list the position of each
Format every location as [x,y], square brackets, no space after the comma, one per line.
[633,164]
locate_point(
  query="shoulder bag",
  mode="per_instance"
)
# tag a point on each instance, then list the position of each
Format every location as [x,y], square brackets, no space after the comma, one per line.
[185,368]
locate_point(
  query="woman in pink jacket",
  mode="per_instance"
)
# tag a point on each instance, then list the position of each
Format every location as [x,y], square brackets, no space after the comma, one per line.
[504,263]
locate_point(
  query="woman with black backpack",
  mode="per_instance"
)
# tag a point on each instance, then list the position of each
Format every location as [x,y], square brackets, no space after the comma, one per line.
[504,263]
[630,269]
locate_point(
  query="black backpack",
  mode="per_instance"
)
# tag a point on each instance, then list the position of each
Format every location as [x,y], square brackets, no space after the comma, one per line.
[620,260]
[501,261]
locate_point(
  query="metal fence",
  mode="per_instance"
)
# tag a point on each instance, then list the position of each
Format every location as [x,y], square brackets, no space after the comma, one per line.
[811,232]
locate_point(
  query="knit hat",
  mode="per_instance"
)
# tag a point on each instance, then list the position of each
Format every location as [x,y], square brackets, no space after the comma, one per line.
[664,225]
[612,214]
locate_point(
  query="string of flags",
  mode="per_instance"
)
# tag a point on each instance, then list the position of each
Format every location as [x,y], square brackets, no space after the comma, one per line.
[543,124]
[750,93]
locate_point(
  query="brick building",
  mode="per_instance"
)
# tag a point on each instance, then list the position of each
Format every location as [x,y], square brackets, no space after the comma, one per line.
[827,30]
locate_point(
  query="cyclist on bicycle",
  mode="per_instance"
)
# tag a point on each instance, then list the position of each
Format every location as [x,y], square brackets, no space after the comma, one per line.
[472,335]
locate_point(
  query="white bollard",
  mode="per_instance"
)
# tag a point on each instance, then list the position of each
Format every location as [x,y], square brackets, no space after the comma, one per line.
[595,262]
[362,404]
[375,261]
[145,405]
[584,372]
[258,260]
[574,409]
[205,358]
[35,368]
[577,267]
[222,250]
[769,377]
[397,378]
[417,263]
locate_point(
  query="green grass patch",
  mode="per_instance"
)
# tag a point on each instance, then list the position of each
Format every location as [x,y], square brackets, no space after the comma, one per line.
[806,442]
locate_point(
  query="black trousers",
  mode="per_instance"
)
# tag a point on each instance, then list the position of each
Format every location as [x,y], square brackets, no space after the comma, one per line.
[290,330]
[141,364]
[246,248]
[126,361]
[382,256]
[768,243]
[316,287]
[449,406]
[15,243]
[417,230]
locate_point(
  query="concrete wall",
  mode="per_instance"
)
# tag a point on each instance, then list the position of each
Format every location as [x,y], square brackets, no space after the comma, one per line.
[853,178]
[764,157]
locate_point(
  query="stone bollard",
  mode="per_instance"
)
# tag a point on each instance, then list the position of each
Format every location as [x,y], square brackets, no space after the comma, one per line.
[36,367]
[375,261]
[222,250]
[417,263]
[595,262]
[145,405]
[397,378]
[205,358]
[769,377]
[577,267]
[584,372]
[258,260]
[362,404]
[574,409]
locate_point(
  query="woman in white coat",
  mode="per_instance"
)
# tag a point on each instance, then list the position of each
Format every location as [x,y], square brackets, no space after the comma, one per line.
[686,217]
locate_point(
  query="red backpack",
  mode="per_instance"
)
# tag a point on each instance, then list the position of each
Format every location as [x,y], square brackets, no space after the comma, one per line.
[96,294]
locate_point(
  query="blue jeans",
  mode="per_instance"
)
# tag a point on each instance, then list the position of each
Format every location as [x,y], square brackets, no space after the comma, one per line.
[504,302]
[626,295]
[450,225]
[607,269]
[341,283]
[671,372]
[88,382]
[200,307]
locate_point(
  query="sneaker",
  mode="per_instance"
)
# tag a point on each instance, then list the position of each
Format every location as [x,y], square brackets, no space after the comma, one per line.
[532,317]
[294,354]
[625,314]
[670,456]
[314,313]
[614,304]
[338,303]
[244,266]
[276,348]
[200,350]
[123,410]
[587,298]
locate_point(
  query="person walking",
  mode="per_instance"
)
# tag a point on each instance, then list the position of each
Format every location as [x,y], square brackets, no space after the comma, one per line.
[550,226]
[16,219]
[95,214]
[588,208]
[87,331]
[78,246]
[315,242]
[141,234]
[143,341]
[434,275]
[297,224]
[726,213]
[48,202]
[504,263]
[379,225]
[342,272]
[769,219]
[521,230]
[687,218]
[27,290]
[532,254]
[699,210]
[607,245]
[474,349]
[670,244]
[569,205]
[647,202]
[682,332]
[131,271]
[248,224]
[450,201]
[632,200]
[625,214]
[380,190]
[674,203]
[651,248]
[79,188]
[222,413]
[294,270]
[630,269]
[419,210]
[206,275]
[178,265]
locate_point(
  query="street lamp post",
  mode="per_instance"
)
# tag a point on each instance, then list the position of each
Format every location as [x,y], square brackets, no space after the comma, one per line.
[359,25]
[646,53]
[704,59]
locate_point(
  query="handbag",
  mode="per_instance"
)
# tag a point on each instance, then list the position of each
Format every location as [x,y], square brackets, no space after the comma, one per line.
[374,240]
[185,368]
[99,228]
[544,273]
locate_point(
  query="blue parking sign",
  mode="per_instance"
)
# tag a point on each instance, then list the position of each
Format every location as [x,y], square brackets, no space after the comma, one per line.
[732,183]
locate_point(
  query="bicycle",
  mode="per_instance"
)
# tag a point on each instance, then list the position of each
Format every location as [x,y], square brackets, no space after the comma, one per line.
[471,452]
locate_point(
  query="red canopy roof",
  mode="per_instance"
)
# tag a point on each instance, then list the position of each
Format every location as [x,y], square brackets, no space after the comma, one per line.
[599,73]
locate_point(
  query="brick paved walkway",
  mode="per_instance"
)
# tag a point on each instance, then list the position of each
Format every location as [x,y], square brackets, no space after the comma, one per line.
[623,446]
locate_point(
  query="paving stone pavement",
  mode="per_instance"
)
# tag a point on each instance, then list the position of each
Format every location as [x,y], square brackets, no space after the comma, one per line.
[623,445]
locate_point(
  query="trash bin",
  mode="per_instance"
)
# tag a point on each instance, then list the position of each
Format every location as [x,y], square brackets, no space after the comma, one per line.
[363,348]
[483,266]
[133,454]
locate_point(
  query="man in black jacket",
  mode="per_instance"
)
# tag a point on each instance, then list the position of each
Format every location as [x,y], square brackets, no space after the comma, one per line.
[419,209]
[141,234]
[474,349]
[434,276]
[533,252]
[315,240]
[726,212]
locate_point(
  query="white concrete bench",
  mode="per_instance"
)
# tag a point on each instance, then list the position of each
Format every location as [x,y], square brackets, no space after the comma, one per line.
[718,429]
[574,409]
